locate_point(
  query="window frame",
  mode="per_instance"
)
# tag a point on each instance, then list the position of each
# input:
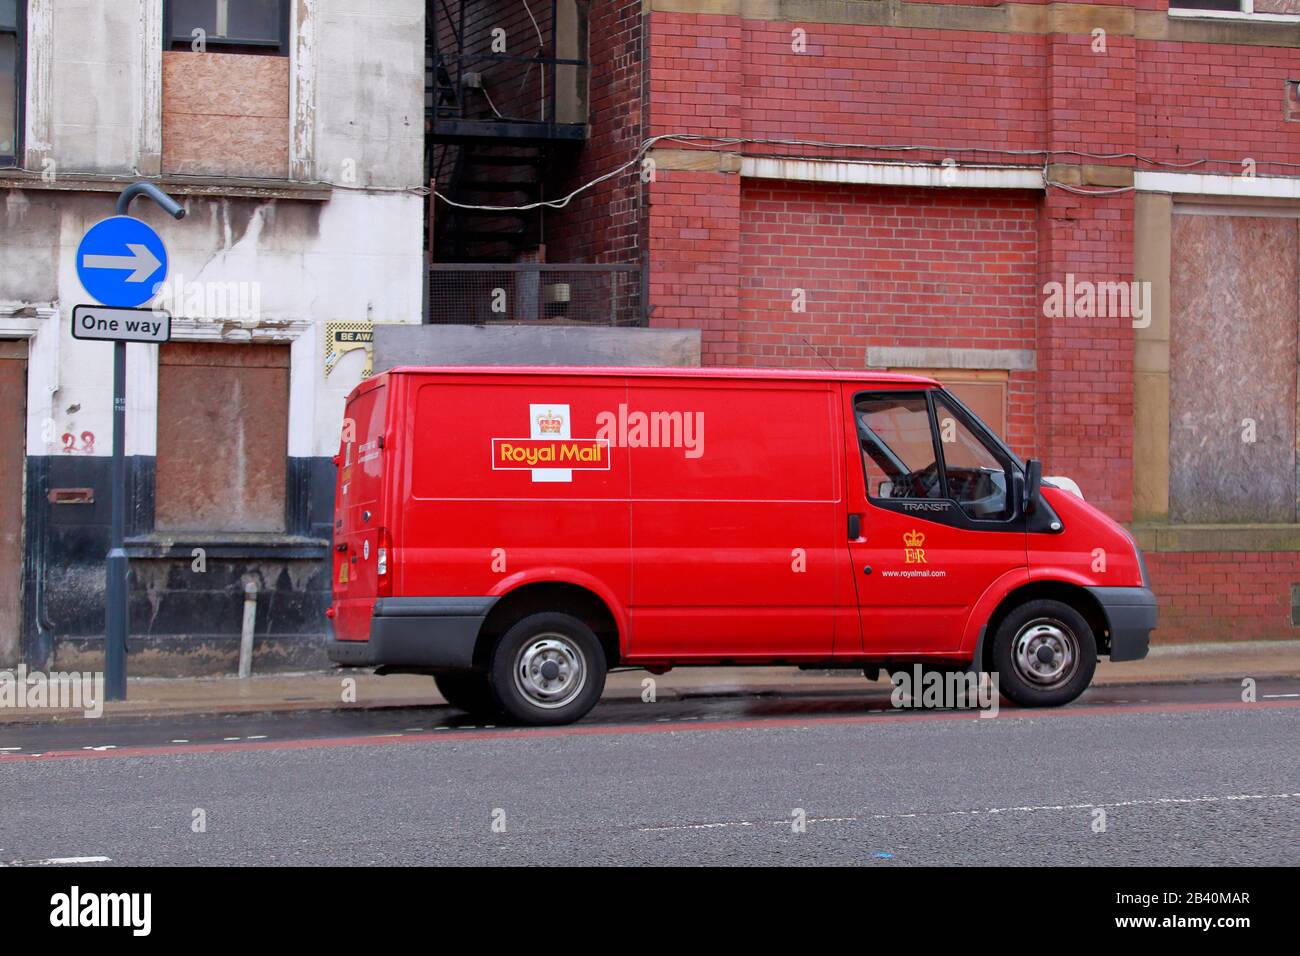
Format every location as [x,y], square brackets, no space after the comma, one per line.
[1245,11]
[15,160]
[280,47]
[956,514]
[934,437]
[997,449]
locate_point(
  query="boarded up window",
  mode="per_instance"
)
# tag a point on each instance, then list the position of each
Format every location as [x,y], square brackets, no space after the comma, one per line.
[226,114]
[223,427]
[1232,369]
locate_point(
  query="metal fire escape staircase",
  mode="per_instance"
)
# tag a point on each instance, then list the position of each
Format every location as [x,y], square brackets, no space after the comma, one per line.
[506,109]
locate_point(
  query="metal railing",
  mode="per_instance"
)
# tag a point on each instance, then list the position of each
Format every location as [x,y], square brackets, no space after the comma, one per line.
[532,293]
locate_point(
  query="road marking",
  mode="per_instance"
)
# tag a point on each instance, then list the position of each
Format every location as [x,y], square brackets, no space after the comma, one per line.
[986,811]
[1278,696]
[59,861]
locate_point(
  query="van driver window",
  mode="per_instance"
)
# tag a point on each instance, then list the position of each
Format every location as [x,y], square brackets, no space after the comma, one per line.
[897,447]
[977,478]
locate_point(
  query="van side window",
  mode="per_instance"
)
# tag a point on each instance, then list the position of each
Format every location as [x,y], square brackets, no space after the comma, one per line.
[897,446]
[977,476]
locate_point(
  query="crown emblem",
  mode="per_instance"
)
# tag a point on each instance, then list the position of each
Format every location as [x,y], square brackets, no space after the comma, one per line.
[913,539]
[550,423]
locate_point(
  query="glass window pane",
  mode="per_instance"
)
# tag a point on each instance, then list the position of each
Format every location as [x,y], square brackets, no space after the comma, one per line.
[897,447]
[190,15]
[254,20]
[8,14]
[8,95]
[1228,5]
[977,477]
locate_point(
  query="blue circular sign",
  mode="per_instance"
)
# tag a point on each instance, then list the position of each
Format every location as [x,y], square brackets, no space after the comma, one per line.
[121,262]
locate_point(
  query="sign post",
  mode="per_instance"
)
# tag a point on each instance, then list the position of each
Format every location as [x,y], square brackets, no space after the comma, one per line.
[121,262]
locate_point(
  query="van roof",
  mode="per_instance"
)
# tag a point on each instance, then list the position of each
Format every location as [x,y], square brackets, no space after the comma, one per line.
[766,374]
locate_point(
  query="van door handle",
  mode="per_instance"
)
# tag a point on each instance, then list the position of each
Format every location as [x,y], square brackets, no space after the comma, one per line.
[855,527]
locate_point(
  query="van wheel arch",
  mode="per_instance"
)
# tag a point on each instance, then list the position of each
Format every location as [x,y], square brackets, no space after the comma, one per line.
[541,597]
[1071,594]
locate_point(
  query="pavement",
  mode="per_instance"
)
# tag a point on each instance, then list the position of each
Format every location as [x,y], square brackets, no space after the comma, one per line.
[360,689]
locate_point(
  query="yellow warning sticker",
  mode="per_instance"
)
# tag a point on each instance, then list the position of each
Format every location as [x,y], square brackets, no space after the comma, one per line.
[343,573]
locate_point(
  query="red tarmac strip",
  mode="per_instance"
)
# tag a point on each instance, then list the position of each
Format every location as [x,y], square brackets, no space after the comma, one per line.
[578,730]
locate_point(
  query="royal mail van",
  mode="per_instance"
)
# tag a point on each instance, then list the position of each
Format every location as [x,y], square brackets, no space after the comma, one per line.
[517,532]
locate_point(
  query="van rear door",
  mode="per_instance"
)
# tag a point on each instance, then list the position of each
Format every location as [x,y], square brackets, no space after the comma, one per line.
[359,531]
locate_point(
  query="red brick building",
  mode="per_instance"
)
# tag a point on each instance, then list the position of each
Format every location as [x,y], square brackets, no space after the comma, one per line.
[1083,216]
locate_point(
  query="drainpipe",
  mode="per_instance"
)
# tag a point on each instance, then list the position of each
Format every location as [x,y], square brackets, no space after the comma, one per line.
[246,635]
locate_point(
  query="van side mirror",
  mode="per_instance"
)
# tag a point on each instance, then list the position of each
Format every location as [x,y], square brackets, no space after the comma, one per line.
[1033,481]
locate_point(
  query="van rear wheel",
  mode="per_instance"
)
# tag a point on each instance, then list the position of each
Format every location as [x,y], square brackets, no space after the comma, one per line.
[1045,654]
[548,669]
[468,692]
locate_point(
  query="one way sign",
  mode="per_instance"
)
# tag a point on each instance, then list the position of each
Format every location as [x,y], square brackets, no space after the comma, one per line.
[107,324]
[121,261]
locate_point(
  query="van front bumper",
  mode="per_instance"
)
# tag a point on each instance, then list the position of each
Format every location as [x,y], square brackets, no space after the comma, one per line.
[433,632]
[1130,618]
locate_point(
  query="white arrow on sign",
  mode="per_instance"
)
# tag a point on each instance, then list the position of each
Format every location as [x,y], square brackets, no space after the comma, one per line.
[141,262]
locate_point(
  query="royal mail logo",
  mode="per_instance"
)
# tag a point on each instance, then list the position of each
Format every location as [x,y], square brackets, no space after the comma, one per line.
[524,454]
[550,423]
[912,542]
[550,452]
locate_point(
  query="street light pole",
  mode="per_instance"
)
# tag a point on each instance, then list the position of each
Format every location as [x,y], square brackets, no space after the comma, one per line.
[116,625]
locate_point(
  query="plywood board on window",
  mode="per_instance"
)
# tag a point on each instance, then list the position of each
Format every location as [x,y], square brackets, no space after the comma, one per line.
[1232,369]
[223,413]
[226,114]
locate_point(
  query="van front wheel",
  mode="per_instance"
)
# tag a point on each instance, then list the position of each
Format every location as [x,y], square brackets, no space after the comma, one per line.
[1045,654]
[548,669]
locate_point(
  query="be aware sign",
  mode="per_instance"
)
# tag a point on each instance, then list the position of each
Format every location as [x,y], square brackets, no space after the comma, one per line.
[106,324]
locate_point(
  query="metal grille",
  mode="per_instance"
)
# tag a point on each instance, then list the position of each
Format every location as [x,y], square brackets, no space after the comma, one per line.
[534,294]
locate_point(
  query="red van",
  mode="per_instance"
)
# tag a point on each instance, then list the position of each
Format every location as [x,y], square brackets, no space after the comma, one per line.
[516,532]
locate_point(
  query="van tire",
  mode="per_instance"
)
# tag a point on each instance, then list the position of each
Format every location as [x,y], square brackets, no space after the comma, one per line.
[468,692]
[548,669]
[1045,654]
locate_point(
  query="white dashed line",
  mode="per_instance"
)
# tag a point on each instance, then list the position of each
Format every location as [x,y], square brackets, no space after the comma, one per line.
[59,861]
[987,811]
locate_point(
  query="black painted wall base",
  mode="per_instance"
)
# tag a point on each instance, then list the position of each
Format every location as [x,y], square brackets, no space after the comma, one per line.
[186,605]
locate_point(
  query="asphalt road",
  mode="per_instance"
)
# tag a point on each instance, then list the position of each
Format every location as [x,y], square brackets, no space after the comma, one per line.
[1184,774]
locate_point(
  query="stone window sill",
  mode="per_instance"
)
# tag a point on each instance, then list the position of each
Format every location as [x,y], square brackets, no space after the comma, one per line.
[231,545]
[1156,538]
[176,185]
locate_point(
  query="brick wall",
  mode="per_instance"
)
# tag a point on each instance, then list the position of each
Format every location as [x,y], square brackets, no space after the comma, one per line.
[1234,596]
[894,266]
[887,267]
[605,223]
